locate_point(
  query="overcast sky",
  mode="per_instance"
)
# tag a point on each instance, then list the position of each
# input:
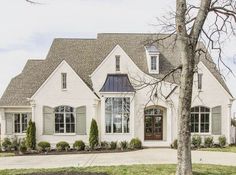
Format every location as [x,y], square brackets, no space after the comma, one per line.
[27,30]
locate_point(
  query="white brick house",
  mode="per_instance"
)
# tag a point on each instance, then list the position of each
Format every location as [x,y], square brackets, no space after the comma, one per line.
[100,78]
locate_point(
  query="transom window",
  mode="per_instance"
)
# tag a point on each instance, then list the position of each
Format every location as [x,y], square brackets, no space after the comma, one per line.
[153,63]
[117,115]
[64,119]
[200,119]
[20,122]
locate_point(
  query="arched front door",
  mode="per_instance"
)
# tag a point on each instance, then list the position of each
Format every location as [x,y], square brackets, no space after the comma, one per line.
[153,123]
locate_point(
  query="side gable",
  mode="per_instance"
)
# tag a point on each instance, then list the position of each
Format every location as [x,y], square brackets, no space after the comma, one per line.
[226,90]
[19,88]
[65,64]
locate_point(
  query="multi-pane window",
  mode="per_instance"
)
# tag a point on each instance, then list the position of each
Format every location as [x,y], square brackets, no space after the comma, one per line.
[117,115]
[199,80]
[64,119]
[153,63]
[20,122]
[117,62]
[200,119]
[63,80]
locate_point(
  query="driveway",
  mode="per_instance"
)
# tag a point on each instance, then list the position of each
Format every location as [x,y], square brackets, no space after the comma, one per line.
[145,156]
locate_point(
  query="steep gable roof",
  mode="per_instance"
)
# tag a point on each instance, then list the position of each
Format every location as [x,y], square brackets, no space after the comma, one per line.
[85,55]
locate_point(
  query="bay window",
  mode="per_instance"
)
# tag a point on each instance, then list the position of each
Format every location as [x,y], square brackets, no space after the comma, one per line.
[117,115]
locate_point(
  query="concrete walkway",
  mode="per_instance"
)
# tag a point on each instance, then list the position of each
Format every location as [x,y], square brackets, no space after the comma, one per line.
[146,156]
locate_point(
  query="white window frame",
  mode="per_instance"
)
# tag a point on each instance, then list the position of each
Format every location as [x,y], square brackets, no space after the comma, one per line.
[64,81]
[21,116]
[199,81]
[151,63]
[199,120]
[64,115]
[117,60]
[122,117]
[153,71]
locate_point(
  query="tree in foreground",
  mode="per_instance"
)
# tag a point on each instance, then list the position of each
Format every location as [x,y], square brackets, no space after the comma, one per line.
[194,22]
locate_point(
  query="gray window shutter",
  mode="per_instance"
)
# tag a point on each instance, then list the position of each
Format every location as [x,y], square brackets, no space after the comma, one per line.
[9,123]
[48,120]
[216,120]
[81,120]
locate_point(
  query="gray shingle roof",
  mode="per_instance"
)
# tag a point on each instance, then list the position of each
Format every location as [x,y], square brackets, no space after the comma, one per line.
[85,55]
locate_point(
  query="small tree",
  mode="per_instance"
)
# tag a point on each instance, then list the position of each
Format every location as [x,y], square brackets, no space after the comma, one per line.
[93,135]
[31,136]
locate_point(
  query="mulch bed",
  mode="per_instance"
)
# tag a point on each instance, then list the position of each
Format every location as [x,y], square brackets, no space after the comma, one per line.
[54,152]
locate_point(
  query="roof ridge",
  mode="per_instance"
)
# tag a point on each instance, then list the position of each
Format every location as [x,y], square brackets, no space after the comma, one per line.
[75,38]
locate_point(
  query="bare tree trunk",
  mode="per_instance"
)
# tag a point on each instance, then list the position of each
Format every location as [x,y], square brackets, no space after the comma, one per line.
[185,97]
[186,44]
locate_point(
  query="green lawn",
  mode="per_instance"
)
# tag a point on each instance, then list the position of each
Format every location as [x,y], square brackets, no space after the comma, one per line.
[226,149]
[132,170]
[7,154]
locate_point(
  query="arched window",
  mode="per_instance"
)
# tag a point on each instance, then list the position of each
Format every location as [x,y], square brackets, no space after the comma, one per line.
[200,119]
[64,119]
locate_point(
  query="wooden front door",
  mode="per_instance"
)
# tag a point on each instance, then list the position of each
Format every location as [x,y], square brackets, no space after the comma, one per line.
[153,125]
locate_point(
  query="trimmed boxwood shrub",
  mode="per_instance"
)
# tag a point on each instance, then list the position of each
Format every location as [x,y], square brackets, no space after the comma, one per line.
[79,145]
[62,146]
[174,145]
[208,141]
[44,146]
[124,145]
[196,141]
[135,143]
[6,144]
[105,145]
[93,135]
[113,145]
[222,141]
[15,144]
[23,147]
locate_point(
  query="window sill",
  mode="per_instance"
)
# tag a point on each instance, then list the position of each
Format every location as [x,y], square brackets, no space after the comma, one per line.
[20,134]
[201,133]
[153,72]
[63,89]
[117,133]
[64,134]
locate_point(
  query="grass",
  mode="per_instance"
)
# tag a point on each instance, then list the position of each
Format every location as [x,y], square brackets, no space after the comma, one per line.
[198,169]
[226,149]
[6,154]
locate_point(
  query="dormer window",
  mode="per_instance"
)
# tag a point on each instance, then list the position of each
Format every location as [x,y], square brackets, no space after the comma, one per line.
[117,62]
[153,63]
[152,54]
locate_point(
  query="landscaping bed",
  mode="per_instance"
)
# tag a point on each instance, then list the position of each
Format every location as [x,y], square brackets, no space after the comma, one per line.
[55,152]
[206,143]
